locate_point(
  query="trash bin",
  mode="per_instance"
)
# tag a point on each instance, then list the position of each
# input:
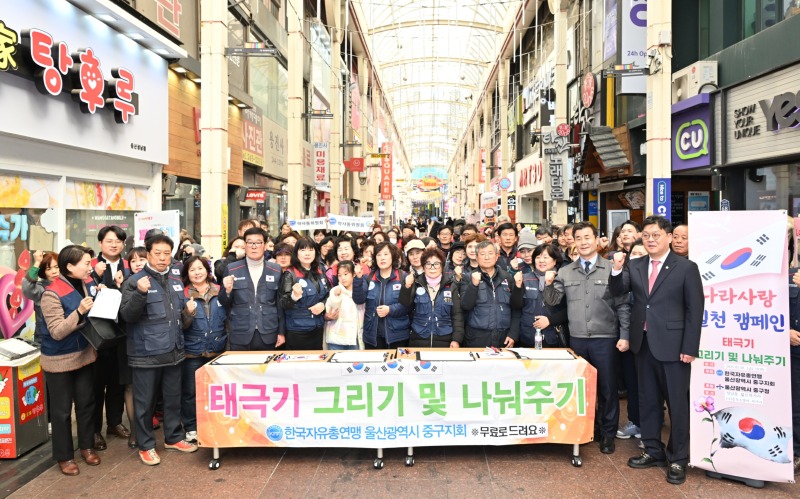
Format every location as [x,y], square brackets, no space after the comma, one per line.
[23,419]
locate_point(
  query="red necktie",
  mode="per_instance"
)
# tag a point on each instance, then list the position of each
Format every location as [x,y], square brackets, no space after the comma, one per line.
[653,275]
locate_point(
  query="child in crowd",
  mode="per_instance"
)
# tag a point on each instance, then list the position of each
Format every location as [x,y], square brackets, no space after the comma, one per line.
[345,309]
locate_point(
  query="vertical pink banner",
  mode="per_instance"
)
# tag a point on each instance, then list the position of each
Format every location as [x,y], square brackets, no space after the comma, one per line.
[741,414]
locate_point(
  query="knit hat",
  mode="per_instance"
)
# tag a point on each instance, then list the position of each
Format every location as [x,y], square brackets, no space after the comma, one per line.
[414,244]
[526,239]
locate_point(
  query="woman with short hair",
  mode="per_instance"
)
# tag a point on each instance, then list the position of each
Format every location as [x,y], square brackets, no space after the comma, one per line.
[67,357]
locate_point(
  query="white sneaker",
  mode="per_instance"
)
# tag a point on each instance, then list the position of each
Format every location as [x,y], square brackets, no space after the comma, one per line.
[640,445]
[628,431]
[191,436]
[50,429]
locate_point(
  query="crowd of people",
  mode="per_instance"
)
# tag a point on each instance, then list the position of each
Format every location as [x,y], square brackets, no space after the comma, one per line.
[631,304]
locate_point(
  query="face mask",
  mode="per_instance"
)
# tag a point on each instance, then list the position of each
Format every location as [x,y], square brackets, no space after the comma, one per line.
[393,240]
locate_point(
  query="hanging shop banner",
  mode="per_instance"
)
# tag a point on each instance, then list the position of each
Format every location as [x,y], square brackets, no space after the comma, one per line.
[634,44]
[309,224]
[350,224]
[482,166]
[741,422]
[386,172]
[662,197]
[322,166]
[555,141]
[168,221]
[306,401]
[253,137]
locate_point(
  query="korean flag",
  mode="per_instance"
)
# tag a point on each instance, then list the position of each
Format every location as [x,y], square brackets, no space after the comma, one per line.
[743,427]
[759,252]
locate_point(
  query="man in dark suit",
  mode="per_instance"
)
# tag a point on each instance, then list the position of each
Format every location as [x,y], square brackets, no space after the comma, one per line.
[666,318]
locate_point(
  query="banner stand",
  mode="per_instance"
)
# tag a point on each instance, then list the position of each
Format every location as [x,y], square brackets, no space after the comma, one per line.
[756,484]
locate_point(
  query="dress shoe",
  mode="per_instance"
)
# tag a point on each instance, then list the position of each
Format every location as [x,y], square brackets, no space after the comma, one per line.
[646,461]
[676,474]
[69,468]
[607,445]
[119,431]
[99,442]
[90,457]
[132,442]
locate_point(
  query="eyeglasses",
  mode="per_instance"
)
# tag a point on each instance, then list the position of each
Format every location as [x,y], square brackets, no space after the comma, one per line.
[433,265]
[655,236]
[254,244]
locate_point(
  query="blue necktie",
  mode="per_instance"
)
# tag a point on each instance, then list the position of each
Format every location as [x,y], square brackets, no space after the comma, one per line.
[587,266]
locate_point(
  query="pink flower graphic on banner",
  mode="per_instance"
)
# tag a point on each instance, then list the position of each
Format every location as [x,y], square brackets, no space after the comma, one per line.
[706,404]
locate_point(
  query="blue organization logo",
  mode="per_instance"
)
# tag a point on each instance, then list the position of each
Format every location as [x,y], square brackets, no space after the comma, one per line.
[332,221]
[275,433]
[720,372]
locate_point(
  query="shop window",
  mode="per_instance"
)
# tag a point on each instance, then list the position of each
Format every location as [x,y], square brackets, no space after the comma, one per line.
[27,223]
[773,188]
[187,201]
[94,205]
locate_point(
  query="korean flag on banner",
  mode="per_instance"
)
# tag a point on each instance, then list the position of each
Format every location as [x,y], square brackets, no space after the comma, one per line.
[744,250]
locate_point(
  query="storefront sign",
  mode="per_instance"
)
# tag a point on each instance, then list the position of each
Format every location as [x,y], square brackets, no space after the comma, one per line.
[253,137]
[275,152]
[429,183]
[321,166]
[741,422]
[764,117]
[588,90]
[301,401]
[489,201]
[556,150]
[634,44]
[662,197]
[308,164]
[530,174]
[386,172]
[257,195]
[63,51]
[691,135]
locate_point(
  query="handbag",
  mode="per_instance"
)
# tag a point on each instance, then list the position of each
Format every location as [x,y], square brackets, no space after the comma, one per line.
[102,333]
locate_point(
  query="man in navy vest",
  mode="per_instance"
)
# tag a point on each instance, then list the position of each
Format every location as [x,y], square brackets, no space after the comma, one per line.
[152,302]
[250,294]
[110,269]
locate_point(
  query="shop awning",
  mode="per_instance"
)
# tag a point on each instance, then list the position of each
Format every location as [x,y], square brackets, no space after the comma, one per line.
[603,151]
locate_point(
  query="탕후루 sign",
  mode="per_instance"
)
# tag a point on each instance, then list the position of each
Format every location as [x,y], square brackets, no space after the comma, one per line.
[117,90]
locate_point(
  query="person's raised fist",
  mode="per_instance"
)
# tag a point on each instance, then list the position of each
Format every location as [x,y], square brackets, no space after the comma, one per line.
[618,261]
[549,277]
[143,285]
[476,278]
[227,282]
[409,281]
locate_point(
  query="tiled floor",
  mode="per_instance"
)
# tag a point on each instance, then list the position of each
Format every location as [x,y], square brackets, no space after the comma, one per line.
[492,472]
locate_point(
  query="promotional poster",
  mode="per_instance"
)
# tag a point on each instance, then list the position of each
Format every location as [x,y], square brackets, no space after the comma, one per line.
[741,416]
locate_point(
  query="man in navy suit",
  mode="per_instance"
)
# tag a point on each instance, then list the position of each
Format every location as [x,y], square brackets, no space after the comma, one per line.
[666,318]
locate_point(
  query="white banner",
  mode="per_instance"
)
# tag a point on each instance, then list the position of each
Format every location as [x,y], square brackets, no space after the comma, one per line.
[352,224]
[309,223]
[169,222]
[634,44]
[303,400]
[741,422]
[322,166]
